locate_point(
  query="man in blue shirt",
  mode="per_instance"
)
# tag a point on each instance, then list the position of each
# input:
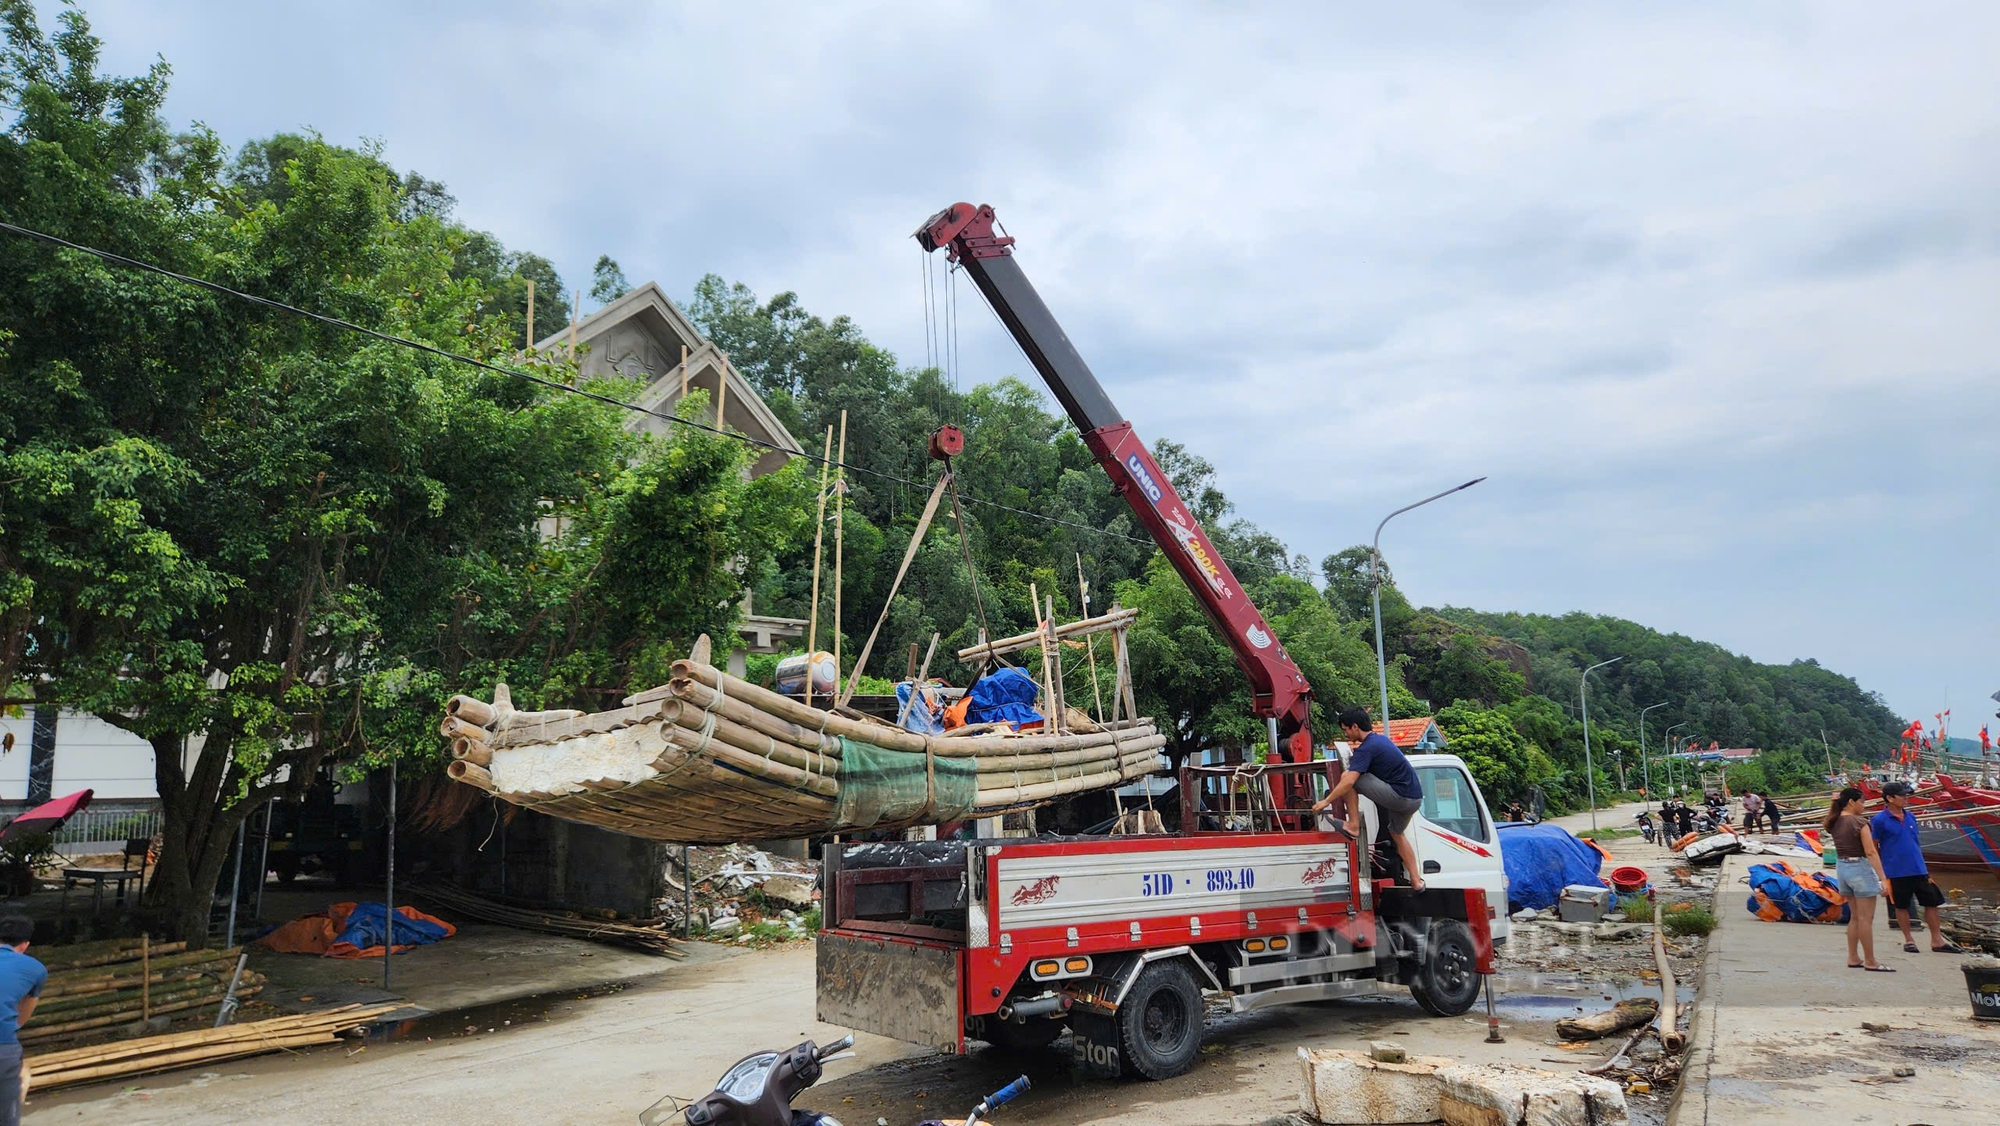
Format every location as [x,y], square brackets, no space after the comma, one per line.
[1378,771]
[21,981]
[1895,830]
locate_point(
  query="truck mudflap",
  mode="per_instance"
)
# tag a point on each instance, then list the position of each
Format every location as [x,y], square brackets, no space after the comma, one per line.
[1465,904]
[901,988]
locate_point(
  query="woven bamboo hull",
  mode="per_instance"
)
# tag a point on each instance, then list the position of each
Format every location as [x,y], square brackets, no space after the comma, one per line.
[711,759]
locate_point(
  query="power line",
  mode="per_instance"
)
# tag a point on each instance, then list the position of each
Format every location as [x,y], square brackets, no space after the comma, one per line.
[553,385]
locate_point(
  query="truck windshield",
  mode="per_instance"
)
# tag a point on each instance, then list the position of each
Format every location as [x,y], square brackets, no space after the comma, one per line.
[1450,802]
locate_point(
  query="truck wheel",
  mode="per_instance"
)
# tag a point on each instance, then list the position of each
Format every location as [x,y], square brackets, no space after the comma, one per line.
[1017,1039]
[1160,1022]
[1448,981]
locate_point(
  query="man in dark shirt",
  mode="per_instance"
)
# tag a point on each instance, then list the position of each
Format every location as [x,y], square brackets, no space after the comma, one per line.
[1377,770]
[21,981]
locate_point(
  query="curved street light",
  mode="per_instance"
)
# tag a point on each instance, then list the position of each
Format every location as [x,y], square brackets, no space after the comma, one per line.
[1589,771]
[1644,763]
[1669,737]
[1375,588]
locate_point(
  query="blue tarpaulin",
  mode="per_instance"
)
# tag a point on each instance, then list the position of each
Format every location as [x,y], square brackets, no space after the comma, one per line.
[1005,695]
[366,927]
[1541,860]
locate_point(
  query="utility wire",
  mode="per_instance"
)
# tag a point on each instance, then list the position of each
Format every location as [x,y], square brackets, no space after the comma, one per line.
[553,385]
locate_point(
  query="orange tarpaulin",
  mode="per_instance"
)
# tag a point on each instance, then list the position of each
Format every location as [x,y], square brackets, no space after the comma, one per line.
[321,933]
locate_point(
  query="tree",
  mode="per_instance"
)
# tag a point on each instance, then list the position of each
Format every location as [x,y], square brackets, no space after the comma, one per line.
[260,543]
[608,282]
[1491,745]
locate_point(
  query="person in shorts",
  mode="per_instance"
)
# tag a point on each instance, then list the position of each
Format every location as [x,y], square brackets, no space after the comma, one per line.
[1857,874]
[1753,811]
[1910,883]
[1377,770]
[21,981]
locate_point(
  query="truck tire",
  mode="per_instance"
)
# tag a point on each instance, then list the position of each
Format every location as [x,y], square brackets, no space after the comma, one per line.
[1023,1038]
[1448,981]
[1160,1021]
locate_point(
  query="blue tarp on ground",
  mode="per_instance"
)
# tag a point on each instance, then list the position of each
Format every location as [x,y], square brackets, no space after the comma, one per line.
[367,926]
[1005,695]
[1541,860]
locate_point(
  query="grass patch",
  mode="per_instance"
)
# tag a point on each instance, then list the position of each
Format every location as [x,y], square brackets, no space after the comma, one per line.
[1606,834]
[1684,919]
[1636,906]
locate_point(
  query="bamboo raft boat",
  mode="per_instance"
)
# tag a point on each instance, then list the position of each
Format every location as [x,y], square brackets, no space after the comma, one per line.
[709,758]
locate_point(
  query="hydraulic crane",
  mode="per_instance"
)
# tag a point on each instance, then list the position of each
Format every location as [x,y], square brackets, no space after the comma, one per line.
[1279,691]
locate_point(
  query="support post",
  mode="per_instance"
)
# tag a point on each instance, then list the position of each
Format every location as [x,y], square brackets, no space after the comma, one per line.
[839,515]
[819,534]
[389,893]
[1090,640]
[236,883]
[531,315]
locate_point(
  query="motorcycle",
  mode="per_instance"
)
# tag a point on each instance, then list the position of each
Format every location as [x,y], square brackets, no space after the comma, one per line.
[758,1090]
[1646,827]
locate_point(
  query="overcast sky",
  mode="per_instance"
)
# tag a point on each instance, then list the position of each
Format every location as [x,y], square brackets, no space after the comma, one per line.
[1711,294]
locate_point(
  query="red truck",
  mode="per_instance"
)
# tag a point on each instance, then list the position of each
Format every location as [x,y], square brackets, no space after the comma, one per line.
[1118,939]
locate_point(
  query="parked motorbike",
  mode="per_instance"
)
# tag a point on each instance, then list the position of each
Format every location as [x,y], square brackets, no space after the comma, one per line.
[1646,827]
[758,1090]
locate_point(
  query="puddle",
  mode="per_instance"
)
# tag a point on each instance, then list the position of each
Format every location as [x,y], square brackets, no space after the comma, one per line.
[486,1020]
[1539,996]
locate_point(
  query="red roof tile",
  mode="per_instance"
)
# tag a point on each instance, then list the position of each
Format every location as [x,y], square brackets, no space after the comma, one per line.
[1408,733]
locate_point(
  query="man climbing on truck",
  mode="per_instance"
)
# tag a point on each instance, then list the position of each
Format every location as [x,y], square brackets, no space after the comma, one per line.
[1378,771]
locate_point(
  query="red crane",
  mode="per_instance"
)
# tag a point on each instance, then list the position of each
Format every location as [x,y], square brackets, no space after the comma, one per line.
[1279,691]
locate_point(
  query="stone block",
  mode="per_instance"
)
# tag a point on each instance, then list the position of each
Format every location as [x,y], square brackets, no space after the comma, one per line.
[1382,1051]
[1502,1095]
[1347,1087]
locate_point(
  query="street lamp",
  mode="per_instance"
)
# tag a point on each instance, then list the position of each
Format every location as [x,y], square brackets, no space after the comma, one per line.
[1829,754]
[1375,589]
[1644,763]
[1589,771]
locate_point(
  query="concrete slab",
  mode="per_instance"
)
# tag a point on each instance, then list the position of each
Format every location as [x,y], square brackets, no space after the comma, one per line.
[1351,1087]
[1498,1095]
[1776,1036]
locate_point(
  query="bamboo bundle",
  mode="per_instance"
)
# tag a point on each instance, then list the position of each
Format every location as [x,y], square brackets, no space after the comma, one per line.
[101,985]
[652,939]
[203,1046]
[709,758]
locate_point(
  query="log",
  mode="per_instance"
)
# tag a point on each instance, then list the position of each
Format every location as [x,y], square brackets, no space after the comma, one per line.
[1670,1028]
[1625,1014]
[456,728]
[476,712]
[470,773]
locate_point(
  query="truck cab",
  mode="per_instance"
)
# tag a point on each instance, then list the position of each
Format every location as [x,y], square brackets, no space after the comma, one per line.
[1456,840]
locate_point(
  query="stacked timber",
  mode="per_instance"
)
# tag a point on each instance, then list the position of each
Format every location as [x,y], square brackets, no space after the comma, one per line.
[191,1049]
[97,987]
[709,758]
[650,936]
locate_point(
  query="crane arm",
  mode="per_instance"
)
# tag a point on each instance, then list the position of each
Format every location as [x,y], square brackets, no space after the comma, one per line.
[1278,689]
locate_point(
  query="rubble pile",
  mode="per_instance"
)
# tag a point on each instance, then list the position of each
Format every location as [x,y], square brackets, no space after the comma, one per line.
[743,894]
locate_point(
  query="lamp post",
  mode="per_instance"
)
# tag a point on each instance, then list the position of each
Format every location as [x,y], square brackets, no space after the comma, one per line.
[1669,737]
[1644,764]
[1824,746]
[1589,771]
[1375,588]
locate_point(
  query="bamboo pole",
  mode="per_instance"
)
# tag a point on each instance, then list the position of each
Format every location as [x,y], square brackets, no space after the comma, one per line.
[917,681]
[819,533]
[1065,631]
[1669,1020]
[85,955]
[575,311]
[472,751]
[909,554]
[721,390]
[684,371]
[1042,696]
[146,962]
[1089,642]
[839,523]
[468,772]
[1058,698]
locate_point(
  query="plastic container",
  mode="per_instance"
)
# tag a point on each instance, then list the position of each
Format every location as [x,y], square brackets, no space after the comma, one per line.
[1628,880]
[1982,985]
[790,678]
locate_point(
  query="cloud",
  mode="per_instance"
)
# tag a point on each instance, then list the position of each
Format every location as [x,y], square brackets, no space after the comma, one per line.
[1707,290]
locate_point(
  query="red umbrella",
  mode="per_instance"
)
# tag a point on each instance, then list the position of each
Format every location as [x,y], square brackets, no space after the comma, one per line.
[48,816]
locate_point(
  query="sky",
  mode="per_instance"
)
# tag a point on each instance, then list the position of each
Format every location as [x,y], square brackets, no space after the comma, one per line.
[1709,293]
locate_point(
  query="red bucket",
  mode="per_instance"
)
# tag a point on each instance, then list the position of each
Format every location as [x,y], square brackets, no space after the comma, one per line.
[1627,880]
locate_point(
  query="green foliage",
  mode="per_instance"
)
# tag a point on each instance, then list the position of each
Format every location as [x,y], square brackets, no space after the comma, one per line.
[608,282]
[1493,747]
[1684,919]
[1636,907]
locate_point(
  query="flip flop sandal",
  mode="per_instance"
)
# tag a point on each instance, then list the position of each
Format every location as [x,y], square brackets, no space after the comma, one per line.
[1948,948]
[1856,966]
[1879,969]
[1910,948]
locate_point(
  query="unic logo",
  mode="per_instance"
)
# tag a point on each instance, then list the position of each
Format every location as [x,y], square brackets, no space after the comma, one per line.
[1322,872]
[1040,890]
[1146,483]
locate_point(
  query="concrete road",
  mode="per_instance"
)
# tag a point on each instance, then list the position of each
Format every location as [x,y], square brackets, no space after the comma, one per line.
[604,1058]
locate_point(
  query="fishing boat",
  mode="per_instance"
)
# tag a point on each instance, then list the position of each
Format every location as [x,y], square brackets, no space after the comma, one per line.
[1958,826]
[710,758]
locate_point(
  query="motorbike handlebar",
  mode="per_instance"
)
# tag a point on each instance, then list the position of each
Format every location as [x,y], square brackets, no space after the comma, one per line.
[1007,1094]
[839,1045]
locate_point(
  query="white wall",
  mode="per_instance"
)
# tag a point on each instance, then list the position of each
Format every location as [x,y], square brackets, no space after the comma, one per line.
[90,754]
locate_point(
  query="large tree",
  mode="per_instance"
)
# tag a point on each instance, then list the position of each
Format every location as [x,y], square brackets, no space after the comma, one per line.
[258,541]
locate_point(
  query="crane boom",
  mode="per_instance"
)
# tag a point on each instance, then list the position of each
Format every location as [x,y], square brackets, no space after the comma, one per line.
[1279,691]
